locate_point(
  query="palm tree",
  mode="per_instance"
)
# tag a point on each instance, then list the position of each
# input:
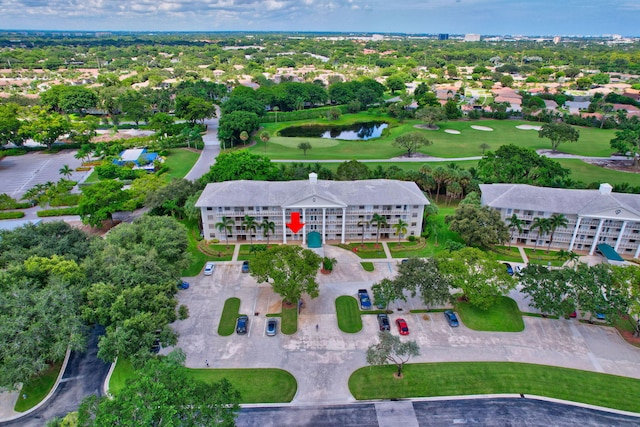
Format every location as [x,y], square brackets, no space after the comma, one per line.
[264,137]
[244,136]
[556,221]
[401,228]
[364,223]
[515,223]
[542,224]
[569,256]
[379,221]
[268,227]
[249,224]
[225,225]
[65,171]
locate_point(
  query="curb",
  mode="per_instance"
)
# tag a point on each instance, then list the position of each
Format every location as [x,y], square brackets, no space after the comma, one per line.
[63,368]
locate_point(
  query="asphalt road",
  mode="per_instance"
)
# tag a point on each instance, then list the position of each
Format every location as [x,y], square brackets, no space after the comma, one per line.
[475,412]
[84,376]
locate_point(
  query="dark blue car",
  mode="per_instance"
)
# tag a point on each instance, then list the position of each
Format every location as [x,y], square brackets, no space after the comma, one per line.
[451,317]
[509,269]
[183,285]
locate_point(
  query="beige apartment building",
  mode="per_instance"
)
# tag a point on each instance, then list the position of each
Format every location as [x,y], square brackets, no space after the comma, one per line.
[331,210]
[594,216]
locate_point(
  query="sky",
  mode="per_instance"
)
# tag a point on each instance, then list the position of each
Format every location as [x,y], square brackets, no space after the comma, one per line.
[495,17]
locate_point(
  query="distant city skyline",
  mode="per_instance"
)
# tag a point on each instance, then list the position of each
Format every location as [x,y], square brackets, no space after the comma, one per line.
[492,17]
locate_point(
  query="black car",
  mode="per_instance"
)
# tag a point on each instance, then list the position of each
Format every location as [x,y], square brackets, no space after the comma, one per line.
[383,322]
[451,318]
[242,325]
[245,266]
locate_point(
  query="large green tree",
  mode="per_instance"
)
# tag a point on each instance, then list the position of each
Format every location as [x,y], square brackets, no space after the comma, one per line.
[193,109]
[478,225]
[45,126]
[423,277]
[233,123]
[627,142]
[481,279]
[548,289]
[10,125]
[519,165]
[558,133]
[100,200]
[239,165]
[163,394]
[390,349]
[411,142]
[291,270]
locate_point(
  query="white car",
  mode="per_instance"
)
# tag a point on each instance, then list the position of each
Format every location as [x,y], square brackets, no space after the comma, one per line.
[208,268]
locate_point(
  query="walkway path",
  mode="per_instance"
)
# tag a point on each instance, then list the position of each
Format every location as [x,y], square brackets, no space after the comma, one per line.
[210,151]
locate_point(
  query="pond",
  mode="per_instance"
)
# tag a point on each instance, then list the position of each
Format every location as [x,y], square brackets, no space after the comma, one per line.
[356,131]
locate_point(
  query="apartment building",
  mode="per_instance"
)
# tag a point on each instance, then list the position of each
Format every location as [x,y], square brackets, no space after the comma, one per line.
[331,210]
[594,216]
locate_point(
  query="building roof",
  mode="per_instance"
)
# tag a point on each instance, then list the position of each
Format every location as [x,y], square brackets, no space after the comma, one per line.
[593,203]
[131,155]
[304,193]
[609,253]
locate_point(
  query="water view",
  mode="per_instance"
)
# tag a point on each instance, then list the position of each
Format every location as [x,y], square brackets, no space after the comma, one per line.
[356,131]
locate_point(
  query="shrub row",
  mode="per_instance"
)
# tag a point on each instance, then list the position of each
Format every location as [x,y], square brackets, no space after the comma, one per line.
[11,215]
[312,113]
[58,212]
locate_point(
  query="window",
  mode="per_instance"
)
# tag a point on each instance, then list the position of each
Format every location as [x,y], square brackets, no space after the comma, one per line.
[509,211]
[376,206]
[414,215]
[210,217]
[251,208]
[413,224]
[212,235]
[209,208]
[227,208]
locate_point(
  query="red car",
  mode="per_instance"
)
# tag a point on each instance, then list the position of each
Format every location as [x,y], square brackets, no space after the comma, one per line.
[402,327]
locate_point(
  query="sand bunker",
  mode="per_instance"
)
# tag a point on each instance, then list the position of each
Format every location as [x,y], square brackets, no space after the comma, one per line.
[528,127]
[482,128]
[452,131]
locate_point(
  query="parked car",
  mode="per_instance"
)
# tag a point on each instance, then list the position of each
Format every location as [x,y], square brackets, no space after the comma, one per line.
[365,301]
[451,318]
[245,266]
[402,327]
[383,322]
[209,267]
[509,269]
[242,324]
[183,285]
[272,327]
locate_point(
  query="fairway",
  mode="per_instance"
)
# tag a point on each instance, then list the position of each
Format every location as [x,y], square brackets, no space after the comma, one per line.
[593,142]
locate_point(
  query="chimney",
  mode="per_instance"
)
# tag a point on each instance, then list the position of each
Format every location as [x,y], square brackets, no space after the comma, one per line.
[605,189]
[313,178]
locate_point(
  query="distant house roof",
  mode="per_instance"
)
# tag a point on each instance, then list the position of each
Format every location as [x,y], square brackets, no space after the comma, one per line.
[131,155]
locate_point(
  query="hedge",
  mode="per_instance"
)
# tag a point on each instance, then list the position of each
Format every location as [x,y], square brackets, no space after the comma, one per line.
[11,215]
[311,113]
[58,212]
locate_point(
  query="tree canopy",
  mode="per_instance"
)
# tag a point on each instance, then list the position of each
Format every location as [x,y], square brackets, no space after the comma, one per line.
[412,141]
[558,133]
[291,270]
[478,225]
[239,165]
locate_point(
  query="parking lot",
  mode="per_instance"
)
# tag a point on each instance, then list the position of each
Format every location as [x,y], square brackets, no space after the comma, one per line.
[19,173]
[323,360]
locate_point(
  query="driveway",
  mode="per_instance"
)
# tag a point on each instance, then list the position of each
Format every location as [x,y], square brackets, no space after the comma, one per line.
[19,173]
[210,151]
[323,360]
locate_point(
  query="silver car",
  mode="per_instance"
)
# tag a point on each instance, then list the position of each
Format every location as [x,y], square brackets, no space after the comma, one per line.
[272,327]
[208,268]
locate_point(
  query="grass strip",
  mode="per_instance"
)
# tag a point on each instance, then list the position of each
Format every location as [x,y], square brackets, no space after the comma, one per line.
[503,316]
[289,320]
[367,266]
[467,378]
[37,389]
[228,317]
[348,314]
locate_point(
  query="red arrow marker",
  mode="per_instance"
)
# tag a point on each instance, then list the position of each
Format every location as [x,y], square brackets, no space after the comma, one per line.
[295,225]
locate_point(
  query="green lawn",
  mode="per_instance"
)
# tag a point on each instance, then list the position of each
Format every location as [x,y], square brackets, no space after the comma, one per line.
[197,258]
[367,266]
[592,142]
[468,378]
[588,173]
[121,373]
[228,317]
[505,253]
[37,389]
[255,385]
[366,250]
[289,317]
[245,252]
[503,316]
[348,314]
[180,161]
[541,257]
